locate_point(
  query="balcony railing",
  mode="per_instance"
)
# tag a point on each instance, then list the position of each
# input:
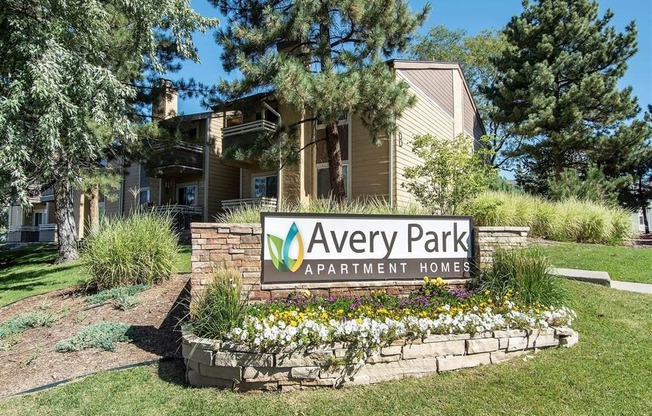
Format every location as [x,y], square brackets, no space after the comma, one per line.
[195,210]
[176,159]
[262,203]
[258,126]
[44,233]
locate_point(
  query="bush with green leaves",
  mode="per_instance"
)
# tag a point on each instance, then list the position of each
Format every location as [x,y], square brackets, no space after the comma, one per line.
[450,173]
[140,249]
[220,308]
[568,220]
[525,273]
[102,336]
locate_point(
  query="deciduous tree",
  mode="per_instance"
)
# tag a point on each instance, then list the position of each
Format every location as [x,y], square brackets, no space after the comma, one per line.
[67,68]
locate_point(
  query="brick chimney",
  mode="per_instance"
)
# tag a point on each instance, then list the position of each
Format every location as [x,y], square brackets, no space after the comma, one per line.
[165,100]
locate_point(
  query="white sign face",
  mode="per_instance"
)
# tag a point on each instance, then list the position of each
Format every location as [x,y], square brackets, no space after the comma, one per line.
[312,248]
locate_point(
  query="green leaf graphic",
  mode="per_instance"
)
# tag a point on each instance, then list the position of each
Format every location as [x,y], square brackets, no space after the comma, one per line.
[275,244]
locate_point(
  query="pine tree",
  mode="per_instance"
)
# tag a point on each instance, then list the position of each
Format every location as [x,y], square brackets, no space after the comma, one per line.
[558,82]
[322,58]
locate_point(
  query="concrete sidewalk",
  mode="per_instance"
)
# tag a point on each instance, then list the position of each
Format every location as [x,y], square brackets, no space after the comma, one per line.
[632,287]
[601,278]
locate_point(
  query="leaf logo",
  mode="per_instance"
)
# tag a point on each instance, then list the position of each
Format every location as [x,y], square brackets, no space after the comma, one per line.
[279,250]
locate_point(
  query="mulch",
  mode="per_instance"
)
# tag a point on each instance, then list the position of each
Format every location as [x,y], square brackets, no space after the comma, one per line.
[32,362]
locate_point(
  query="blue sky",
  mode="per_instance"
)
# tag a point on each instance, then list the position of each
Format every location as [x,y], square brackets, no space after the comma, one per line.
[470,15]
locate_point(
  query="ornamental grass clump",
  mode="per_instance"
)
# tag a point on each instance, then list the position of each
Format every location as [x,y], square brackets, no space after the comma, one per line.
[525,273]
[567,220]
[220,308]
[140,249]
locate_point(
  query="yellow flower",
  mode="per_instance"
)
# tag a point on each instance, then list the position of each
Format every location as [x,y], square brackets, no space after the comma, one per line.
[425,279]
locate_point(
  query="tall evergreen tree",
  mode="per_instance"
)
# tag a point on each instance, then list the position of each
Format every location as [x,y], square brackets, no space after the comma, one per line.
[558,82]
[323,58]
[66,71]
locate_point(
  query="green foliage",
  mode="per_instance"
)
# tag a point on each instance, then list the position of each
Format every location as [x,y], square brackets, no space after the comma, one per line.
[102,336]
[523,275]
[123,297]
[569,220]
[322,59]
[140,249]
[221,307]
[449,174]
[11,329]
[593,187]
[72,74]
[558,84]
[251,214]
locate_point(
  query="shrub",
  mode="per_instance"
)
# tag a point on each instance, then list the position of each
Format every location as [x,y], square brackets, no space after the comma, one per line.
[525,275]
[101,336]
[220,308]
[568,220]
[123,297]
[251,214]
[11,329]
[139,249]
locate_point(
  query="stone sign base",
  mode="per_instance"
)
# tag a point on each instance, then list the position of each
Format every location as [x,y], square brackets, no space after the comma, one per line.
[237,367]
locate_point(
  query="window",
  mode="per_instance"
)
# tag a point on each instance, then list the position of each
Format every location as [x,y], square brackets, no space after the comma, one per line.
[324,181]
[265,186]
[187,195]
[38,218]
[342,119]
[144,197]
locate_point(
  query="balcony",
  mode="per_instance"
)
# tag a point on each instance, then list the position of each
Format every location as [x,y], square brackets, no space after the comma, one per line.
[264,204]
[182,215]
[44,233]
[244,135]
[176,159]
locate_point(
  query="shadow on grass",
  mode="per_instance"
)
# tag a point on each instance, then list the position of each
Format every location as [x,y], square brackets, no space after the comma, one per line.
[165,341]
[25,256]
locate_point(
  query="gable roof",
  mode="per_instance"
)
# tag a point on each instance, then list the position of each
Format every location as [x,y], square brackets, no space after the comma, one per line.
[413,71]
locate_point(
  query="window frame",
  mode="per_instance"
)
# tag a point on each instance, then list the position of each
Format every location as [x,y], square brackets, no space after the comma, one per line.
[188,185]
[259,176]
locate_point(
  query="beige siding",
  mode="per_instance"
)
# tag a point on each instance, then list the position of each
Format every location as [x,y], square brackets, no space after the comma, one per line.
[52,213]
[131,185]
[369,164]
[222,181]
[435,83]
[472,121]
[16,216]
[424,118]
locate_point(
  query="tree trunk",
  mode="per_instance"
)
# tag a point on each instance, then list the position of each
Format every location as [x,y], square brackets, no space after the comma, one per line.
[94,209]
[646,221]
[335,163]
[66,229]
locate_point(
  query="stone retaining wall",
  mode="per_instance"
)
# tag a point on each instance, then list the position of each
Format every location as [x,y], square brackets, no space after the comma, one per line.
[232,366]
[238,246]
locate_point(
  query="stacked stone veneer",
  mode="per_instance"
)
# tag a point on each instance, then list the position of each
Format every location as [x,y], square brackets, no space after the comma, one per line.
[487,239]
[237,367]
[238,246]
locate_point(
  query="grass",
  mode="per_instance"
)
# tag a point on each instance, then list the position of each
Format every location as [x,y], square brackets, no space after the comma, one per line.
[29,271]
[628,264]
[607,373]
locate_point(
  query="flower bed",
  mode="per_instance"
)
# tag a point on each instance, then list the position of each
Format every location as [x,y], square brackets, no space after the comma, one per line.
[309,341]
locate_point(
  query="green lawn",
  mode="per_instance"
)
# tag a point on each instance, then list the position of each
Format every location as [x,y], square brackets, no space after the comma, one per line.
[31,272]
[629,264]
[607,373]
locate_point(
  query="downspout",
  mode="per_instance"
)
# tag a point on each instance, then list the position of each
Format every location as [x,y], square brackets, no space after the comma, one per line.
[280,159]
[206,165]
[392,136]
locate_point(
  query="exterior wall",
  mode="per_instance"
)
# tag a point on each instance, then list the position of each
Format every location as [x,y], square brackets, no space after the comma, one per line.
[131,183]
[437,84]
[211,363]
[222,182]
[426,117]
[238,246]
[368,164]
[488,239]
